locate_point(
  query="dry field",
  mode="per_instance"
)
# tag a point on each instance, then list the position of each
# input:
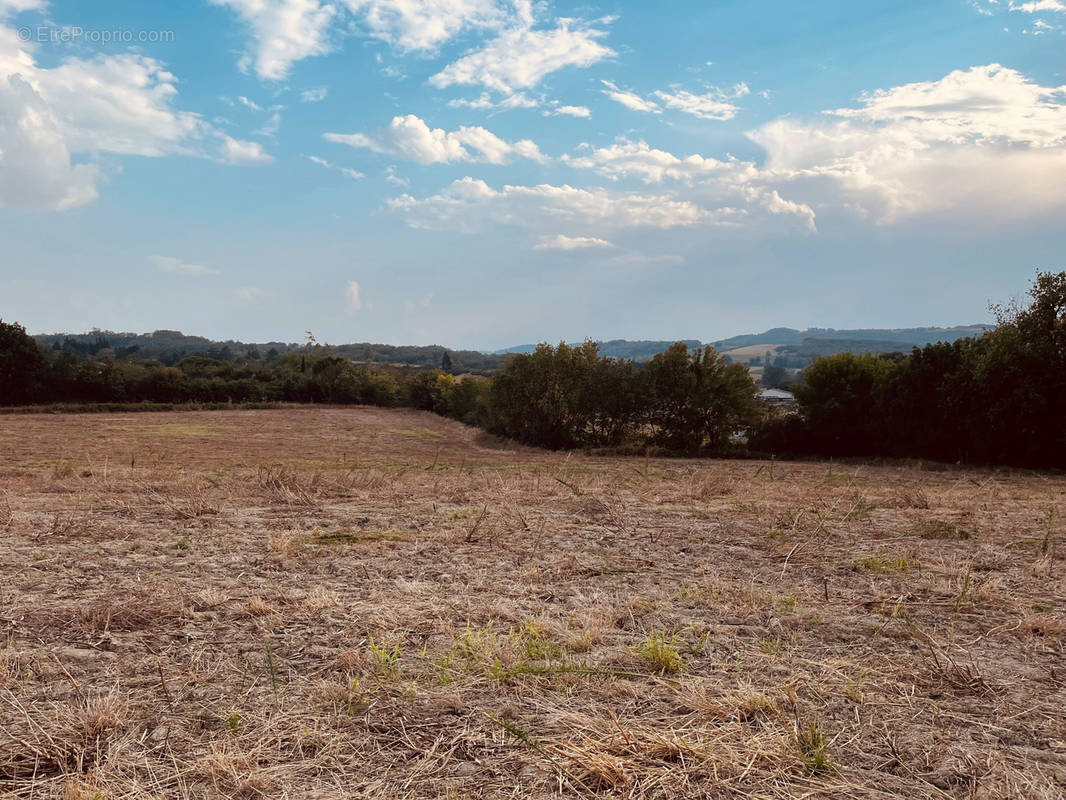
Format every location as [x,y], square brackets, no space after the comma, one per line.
[336,603]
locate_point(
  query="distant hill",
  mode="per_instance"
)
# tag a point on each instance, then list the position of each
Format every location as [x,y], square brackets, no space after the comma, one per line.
[640,350]
[907,336]
[788,346]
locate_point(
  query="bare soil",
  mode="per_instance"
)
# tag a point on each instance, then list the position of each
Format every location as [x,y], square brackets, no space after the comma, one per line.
[354,602]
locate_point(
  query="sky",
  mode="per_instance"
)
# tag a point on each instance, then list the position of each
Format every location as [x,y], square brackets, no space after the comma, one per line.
[484,173]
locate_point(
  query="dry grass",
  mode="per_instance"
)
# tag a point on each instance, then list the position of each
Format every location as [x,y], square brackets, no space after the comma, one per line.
[335,603]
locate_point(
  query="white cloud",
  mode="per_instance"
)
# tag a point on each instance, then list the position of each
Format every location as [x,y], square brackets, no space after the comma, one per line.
[179,267]
[243,153]
[712,104]
[484,102]
[283,32]
[985,141]
[425,24]
[520,57]
[271,127]
[561,242]
[739,184]
[353,296]
[469,205]
[581,112]
[630,100]
[36,171]
[394,179]
[314,95]
[57,123]
[1039,5]
[636,159]
[350,173]
[12,7]
[411,138]
[244,101]
[117,104]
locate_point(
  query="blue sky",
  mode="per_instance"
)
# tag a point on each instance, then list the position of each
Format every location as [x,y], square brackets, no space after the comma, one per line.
[480,173]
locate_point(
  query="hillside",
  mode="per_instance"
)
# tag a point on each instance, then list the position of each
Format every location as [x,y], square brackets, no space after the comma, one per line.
[907,336]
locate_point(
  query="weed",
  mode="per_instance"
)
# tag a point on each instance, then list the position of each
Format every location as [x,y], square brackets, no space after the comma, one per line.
[960,598]
[814,749]
[386,661]
[661,651]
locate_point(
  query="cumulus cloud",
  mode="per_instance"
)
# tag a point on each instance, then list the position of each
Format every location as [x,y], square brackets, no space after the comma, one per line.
[36,170]
[56,122]
[243,153]
[425,24]
[283,32]
[739,184]
[521,56]
[628,159]
[178,267]
[582,112]
[411,138]
[316,95]
[470,204]
[981,141]
[562,242]
[353,299]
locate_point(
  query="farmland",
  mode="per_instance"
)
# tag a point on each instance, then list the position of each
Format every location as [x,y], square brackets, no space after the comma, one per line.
[358,602]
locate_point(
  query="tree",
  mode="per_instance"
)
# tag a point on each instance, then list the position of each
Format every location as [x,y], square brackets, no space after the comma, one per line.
[842,401]
[773,376]
[695,400]
[446,362]
[23,370]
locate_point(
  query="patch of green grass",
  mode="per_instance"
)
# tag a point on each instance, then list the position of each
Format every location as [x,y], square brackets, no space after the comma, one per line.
[386,661]
[535,642]
[814,750]
[661,651]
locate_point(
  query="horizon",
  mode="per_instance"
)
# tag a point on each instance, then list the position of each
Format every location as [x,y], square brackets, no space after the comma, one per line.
[500,350]
[488,173]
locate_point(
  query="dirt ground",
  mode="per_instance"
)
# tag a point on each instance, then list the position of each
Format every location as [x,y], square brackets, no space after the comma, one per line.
[353,602]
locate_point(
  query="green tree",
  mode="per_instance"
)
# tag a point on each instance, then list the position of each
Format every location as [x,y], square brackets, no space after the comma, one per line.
[23,370]
[696,400]
[842,401]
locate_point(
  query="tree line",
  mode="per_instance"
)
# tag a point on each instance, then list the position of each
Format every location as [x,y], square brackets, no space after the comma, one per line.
[999,398]
[995,398]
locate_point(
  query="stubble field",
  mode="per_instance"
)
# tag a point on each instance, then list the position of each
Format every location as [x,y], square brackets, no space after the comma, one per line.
[353,602]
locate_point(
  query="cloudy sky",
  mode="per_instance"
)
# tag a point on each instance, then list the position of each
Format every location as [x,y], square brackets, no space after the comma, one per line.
[481,173]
